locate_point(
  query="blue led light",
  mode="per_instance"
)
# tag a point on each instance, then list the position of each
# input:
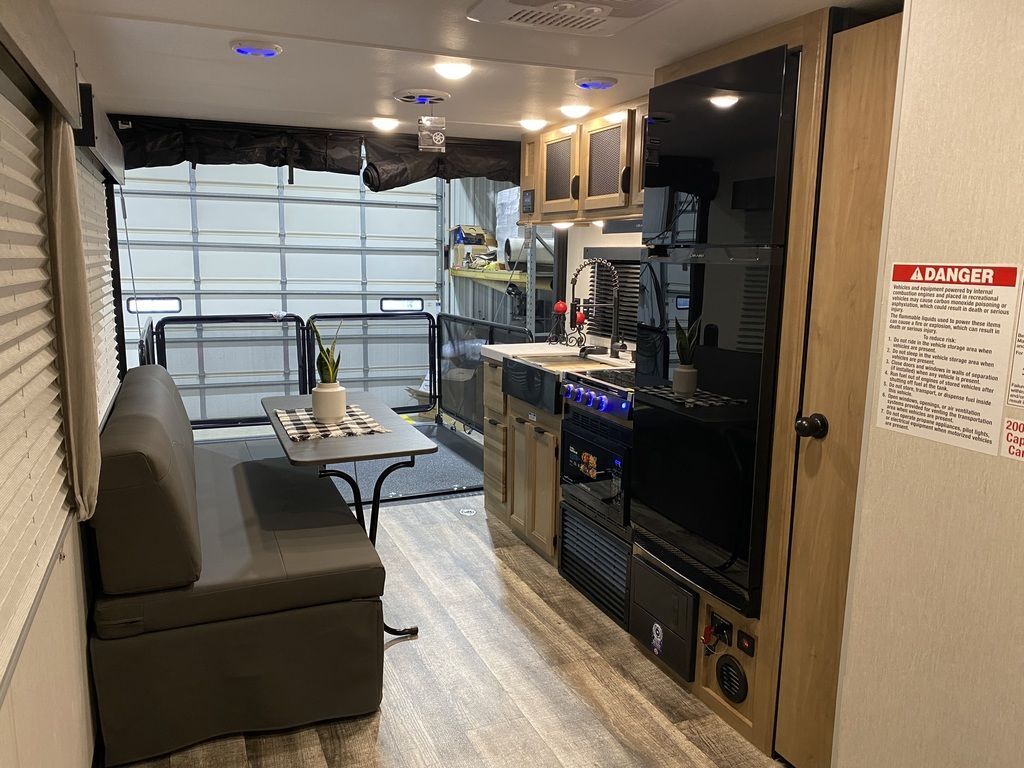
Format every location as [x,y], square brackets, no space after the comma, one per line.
[257,51]
[624,406]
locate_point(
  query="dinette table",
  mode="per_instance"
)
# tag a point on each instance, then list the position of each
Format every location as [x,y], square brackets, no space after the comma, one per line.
[401,441]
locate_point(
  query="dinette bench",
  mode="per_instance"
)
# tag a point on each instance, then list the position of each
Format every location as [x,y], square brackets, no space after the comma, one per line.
[234,591]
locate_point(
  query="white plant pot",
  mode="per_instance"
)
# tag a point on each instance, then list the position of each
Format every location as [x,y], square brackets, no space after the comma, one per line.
[684,380]
[329,401]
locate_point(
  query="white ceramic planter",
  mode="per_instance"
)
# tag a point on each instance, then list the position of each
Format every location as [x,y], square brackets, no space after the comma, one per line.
[329,401]
[684,380]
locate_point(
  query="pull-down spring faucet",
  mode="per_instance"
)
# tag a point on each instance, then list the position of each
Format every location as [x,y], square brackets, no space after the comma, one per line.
[616,344]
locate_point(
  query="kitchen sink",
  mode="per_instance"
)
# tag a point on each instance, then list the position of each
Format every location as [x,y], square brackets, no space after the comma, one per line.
[565,362]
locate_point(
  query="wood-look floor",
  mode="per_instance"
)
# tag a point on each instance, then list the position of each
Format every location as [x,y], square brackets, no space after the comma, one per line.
[512,668]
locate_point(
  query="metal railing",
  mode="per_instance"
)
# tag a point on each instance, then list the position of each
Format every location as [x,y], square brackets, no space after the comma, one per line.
[222,363]
[460,380]
[379,334]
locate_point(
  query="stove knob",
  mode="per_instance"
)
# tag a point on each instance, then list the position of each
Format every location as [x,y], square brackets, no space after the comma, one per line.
[590,398]
[567,393]
[579,395]
[602,402]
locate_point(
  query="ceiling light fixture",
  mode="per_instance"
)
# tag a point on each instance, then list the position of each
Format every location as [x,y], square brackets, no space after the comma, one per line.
[259,49]
[615,117]
[532,124]
[567,129]
[724,102]
[385,123]
[563,225]
[453,70]
[595,82]
[574,111]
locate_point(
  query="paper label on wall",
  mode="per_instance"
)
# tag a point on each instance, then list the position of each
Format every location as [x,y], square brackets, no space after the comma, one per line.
[1015,394]
[948,340]
[1013,438]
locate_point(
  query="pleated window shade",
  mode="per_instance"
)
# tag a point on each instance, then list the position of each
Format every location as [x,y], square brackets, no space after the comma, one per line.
[92,204]
[33,483]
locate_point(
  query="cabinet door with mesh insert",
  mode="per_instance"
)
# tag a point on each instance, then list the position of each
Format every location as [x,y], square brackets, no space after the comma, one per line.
[605,180]
[559,177]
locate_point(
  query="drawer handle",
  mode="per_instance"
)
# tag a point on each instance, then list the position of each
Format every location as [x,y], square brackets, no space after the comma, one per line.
[520,421]
[625,176]
[493,365]
[540,431]
[493,422]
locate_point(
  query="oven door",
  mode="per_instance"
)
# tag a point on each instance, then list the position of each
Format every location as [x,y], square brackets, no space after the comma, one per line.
[595,471]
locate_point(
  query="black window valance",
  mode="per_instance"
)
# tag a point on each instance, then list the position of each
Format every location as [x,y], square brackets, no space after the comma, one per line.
[392,160]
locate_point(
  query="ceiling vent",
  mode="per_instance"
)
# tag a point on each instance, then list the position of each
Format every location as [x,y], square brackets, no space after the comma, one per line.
[421,96]
[591,19]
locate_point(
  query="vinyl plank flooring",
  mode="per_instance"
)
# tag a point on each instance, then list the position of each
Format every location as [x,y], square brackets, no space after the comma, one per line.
[512,668]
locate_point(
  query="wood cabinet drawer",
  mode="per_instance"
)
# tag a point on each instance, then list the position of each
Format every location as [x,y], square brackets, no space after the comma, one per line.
[494,398]
[495,453]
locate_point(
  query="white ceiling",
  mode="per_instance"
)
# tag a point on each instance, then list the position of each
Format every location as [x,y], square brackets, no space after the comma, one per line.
[343,58]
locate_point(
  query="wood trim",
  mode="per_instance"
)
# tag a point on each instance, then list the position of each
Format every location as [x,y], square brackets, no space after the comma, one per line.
[862,92]
[809,34]
[32,34]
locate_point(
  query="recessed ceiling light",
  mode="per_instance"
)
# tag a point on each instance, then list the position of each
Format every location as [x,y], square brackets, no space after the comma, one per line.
[574,111]
[567,129]
[259,49]
[615,117]
[533,125]
[724,102]
[453,70]
[475,21]
[384,123]
[562,224]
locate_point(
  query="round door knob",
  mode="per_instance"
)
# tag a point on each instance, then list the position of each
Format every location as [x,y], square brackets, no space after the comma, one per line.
[815,425]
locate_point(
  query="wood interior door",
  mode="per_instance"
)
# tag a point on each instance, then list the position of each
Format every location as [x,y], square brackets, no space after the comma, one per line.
[559,171]
[546,476]
[861,96]
[639,157]
[605,160]
[521,467]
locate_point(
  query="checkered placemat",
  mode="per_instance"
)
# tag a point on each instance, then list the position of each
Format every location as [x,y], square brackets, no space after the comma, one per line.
[699,399]
[300,425]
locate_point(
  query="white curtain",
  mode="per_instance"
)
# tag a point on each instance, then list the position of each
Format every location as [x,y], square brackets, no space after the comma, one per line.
[76,355]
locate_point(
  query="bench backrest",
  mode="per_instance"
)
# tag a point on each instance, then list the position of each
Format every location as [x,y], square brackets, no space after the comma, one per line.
[146,526]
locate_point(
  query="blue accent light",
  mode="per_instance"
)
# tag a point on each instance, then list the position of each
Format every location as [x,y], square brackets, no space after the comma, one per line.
[625,406]
[256,51]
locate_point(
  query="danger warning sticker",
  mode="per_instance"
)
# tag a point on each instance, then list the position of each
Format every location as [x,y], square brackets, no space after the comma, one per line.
[955,275]
[949,332]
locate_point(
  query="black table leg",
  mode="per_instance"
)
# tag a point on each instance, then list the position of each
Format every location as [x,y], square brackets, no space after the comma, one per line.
[357,497]
[374,513]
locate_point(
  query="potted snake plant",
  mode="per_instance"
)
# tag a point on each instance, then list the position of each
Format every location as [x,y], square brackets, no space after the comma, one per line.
[684,377]
[329,397]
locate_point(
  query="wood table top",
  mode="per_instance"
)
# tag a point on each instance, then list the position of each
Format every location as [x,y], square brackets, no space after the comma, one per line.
[403,439]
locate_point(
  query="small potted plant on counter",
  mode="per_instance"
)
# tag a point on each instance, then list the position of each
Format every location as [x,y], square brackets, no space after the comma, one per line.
[329,397]
[684,377]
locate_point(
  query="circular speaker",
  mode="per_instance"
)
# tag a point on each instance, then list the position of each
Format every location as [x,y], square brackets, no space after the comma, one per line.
[731,679]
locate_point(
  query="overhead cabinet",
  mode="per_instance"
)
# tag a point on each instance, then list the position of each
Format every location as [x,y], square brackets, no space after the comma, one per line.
[589,170]
[560,171]
[606,154]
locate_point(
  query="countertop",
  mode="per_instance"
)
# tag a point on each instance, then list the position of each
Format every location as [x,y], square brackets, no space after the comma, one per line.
[498,352]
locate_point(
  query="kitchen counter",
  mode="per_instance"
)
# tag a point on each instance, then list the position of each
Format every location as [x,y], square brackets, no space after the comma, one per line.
[541,349]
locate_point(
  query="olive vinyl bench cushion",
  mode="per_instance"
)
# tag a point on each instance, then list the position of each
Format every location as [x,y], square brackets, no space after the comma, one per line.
[274,537]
